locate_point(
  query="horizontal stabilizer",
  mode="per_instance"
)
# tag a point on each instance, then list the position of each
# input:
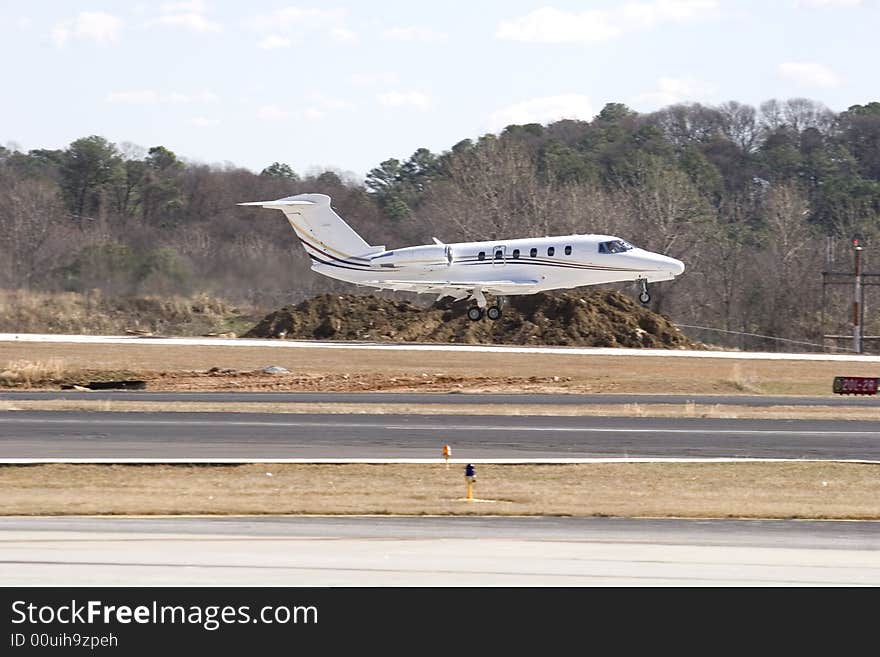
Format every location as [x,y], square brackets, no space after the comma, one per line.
[277,204]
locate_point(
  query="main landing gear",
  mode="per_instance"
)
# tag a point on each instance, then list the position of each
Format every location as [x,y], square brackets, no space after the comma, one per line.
[475,313]
[644,297]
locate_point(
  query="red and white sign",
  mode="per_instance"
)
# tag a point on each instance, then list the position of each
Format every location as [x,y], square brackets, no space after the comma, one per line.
[855,385]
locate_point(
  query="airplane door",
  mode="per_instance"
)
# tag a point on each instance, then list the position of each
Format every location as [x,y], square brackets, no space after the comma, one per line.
[499,255]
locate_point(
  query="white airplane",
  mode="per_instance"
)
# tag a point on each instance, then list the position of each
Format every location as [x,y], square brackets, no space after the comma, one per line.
[469,269]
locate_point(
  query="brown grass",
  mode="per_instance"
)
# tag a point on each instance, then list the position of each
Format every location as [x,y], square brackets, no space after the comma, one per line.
[169,367]
[748,490]
[688,409]
[31,311]
[29,373]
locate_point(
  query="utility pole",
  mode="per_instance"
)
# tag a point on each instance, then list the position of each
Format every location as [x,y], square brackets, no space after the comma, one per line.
[858,280]
[857,296]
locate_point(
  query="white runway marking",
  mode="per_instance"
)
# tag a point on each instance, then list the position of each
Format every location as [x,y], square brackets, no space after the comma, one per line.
[562,351]
[379,461]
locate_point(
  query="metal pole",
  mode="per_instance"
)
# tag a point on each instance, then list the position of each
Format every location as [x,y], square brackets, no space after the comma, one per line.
[857,298]
[822,321]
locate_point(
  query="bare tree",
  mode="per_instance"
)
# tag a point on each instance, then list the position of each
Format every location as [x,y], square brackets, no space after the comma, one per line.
[739,124]
[784,280]
[30,210]
[491,191]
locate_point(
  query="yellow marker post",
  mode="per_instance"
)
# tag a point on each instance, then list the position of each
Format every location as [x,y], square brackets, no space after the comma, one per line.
[447,452]
[470,478]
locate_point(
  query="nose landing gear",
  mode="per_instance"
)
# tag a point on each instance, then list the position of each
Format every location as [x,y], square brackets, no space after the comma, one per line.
[644,297]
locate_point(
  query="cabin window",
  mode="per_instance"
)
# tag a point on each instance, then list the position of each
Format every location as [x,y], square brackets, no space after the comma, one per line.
[481,255]
[567,250]
[533,253]
[515,254]
[551,250]
[499,254]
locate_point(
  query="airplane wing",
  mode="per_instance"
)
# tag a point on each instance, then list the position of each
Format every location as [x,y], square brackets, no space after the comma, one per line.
[451,288]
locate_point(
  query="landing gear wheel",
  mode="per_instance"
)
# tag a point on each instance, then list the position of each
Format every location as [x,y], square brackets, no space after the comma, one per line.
[493,313]
[475,313]
[645,298]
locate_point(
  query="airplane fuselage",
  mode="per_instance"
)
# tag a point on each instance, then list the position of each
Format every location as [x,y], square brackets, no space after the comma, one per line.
[551,262]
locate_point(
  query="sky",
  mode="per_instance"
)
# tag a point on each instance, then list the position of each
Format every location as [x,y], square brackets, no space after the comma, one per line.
[344,85]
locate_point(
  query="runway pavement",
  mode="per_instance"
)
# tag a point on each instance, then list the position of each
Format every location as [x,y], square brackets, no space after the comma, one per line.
[60,434]
[437,551]
[464,399]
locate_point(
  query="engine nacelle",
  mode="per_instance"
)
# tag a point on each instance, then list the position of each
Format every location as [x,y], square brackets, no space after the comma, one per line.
[431,255]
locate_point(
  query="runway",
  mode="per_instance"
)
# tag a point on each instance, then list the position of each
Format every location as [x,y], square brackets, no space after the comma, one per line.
[409,346]
[464,399]
[437,551]
[73,434]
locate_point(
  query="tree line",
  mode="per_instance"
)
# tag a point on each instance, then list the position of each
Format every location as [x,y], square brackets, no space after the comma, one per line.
[757,201]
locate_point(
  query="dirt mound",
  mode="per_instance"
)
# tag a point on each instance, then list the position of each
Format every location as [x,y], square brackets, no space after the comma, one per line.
[595,319]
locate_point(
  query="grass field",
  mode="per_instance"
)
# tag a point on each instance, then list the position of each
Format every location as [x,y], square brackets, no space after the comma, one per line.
[172,367]
[685,409]
[694,490]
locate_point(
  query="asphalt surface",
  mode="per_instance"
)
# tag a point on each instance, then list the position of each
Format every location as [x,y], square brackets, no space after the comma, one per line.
[73,434]
[440,398]
[444,551]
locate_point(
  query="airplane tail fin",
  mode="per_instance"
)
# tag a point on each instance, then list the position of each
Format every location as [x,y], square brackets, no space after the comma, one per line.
[323,233]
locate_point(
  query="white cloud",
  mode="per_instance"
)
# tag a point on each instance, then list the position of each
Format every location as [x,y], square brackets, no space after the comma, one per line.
[204,122]
[149,97]
[342,35]
[543,110]
[272,113]
[320,106]
[97,26]
[414,99]
[185,15]
[810,74]
[189,21]
[326,102]
[273,41]
[676,90]
[414,33]
[550,25]
[373,79]
[299,18]
[192,6]
[830,3]
[302,21]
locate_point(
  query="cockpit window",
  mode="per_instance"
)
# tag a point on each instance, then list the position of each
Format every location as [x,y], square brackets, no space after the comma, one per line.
[615,246]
